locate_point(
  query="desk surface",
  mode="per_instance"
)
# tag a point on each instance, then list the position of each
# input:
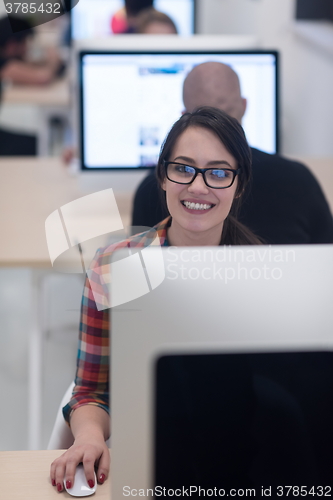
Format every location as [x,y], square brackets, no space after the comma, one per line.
[55,94]
[30,190]
[25,475]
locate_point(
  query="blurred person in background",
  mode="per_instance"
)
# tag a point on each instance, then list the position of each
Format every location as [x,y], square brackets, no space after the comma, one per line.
[152,22]
[15,35]
[139,16]
[124,21]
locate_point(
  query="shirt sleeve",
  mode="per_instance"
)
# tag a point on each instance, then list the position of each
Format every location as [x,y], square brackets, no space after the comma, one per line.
[93,359]
[92,373]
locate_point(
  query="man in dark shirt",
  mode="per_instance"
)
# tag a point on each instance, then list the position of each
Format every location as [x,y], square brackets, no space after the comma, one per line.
[284,203]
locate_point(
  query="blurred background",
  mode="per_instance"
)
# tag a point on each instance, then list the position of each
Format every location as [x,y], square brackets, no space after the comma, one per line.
[303,34]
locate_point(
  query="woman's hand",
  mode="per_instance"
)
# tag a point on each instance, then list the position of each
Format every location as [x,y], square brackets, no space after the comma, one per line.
[90,453]
[90,427]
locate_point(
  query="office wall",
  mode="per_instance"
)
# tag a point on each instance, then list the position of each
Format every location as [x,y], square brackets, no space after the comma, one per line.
[306,69]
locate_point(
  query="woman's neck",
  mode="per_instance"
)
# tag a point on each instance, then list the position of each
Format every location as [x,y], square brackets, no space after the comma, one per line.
[177,236]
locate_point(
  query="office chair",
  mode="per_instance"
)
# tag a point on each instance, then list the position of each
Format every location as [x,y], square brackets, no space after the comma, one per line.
[61,437]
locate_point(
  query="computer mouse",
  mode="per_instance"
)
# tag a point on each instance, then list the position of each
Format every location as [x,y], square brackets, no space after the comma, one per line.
[80,488]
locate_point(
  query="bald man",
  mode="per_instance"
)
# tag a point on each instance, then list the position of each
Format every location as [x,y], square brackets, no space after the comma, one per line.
[214,84]
[283,205]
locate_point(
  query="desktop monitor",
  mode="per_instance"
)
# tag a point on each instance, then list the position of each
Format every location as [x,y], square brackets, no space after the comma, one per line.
[96,18]
[223,373]
[129,101]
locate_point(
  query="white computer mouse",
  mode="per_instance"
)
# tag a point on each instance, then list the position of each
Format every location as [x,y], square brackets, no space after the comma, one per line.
[81,488]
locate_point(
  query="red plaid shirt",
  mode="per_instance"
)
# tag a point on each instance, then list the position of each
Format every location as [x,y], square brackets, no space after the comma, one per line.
[92,374]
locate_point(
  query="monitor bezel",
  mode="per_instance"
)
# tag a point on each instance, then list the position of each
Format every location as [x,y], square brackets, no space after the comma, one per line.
[84,53]
[143,329]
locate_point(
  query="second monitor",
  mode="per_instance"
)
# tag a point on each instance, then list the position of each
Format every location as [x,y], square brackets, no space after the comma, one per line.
[98,18]
[129,101]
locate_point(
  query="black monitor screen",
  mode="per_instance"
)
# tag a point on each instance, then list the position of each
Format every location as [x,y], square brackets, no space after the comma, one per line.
[245,421]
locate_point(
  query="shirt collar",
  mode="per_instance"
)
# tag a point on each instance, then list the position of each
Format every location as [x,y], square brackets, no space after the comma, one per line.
[162,229]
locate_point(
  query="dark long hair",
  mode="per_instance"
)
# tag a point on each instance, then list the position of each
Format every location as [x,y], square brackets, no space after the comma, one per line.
[231,134]
[133,7]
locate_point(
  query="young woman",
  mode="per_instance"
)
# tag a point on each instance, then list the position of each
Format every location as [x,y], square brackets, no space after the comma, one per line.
[204,167]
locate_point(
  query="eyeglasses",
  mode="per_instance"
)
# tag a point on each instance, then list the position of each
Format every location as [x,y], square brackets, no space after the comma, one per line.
[216,178]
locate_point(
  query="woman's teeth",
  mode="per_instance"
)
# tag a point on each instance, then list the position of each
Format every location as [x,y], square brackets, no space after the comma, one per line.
[196,206]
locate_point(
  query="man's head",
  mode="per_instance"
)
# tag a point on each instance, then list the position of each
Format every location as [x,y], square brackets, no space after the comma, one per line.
[214,84]
[14,33]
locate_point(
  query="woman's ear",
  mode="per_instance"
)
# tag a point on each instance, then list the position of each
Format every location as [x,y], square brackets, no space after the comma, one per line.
[163,185]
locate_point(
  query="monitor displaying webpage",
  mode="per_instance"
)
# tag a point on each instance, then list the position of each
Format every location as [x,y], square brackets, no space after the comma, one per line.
[130,101]
[102,18]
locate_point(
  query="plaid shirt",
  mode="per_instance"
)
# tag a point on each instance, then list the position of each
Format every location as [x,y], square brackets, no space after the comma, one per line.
[92,374]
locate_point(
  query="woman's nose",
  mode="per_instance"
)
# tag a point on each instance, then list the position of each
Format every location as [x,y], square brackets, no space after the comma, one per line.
[198,185]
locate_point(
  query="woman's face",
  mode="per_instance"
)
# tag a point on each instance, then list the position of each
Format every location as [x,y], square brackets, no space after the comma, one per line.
[159,28]
[199,147]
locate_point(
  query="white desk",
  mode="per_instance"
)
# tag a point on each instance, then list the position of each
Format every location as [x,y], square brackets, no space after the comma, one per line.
[30,190]
[25,475]
[54,94]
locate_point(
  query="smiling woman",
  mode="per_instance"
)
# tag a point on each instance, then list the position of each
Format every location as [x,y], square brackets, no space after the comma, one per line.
[204,167]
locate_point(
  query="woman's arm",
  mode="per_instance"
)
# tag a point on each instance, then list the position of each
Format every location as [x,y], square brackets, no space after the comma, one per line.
[91,427]
[88,410]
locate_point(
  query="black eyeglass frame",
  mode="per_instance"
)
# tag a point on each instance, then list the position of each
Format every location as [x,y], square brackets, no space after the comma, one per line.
[201,171]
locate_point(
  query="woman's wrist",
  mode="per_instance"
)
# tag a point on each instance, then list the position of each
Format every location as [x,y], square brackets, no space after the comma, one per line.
[90,420]
[93,433]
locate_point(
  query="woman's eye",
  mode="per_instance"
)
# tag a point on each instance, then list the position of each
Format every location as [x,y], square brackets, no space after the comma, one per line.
[184,169]
[219,173]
